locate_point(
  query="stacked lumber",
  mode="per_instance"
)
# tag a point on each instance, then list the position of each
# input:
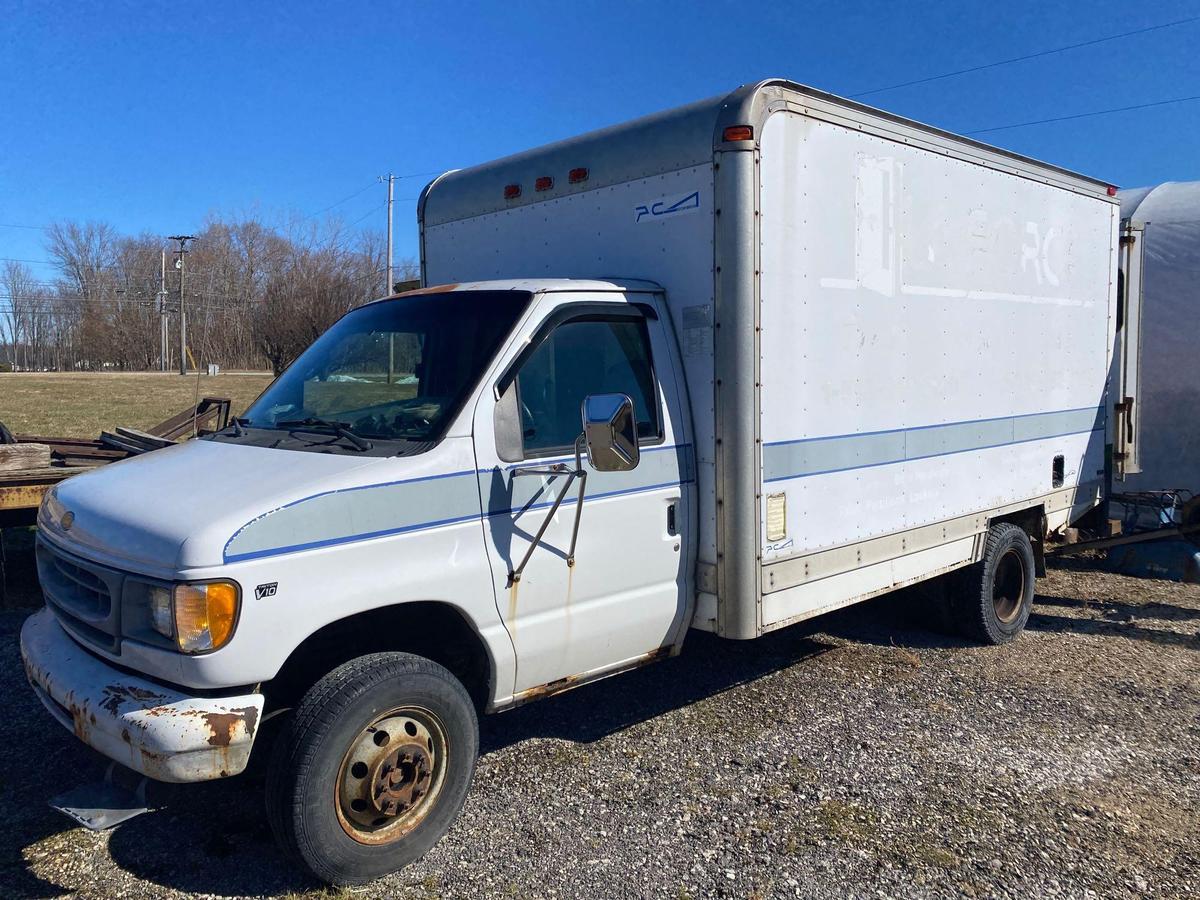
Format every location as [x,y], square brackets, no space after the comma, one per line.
[19,457]
[132,441]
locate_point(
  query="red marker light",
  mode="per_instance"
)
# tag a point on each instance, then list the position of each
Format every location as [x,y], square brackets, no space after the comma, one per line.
[1112,190]
[544,183]
[512,191]
[577,175]
[738,133]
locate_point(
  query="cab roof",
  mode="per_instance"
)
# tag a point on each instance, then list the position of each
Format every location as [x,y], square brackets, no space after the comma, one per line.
[538,286]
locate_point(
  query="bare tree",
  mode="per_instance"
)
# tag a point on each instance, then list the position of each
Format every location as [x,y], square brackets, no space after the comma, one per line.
[255,294]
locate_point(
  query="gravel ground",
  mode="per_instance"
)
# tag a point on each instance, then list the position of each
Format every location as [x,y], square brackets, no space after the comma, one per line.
[859,755]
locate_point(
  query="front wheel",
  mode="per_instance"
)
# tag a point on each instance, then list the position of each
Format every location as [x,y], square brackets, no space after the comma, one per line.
[996,593]
[373,768]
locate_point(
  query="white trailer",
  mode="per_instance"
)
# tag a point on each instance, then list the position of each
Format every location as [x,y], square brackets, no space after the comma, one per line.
[726,367]
[1162,240]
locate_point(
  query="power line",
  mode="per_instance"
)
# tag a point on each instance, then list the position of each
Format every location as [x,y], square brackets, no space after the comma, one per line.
[367,188]
[1086,115]
[1025,57]
[369,212]
[340,202]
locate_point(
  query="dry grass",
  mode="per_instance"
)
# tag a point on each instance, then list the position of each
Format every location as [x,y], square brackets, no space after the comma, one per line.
[71,404]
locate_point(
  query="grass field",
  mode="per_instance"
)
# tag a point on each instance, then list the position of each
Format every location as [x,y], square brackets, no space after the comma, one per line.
[78,404]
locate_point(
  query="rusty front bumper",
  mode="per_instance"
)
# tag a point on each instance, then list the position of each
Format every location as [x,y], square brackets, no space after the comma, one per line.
[161,732]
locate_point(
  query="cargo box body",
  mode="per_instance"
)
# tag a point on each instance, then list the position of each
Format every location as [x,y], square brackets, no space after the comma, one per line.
[891,336]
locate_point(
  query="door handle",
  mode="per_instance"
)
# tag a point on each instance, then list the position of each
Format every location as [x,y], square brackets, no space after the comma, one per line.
[672,518]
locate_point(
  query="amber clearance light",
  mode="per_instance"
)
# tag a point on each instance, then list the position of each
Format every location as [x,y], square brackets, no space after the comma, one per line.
[205,615]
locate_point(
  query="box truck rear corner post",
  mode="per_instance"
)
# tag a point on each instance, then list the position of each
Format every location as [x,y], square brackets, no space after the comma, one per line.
[728,367]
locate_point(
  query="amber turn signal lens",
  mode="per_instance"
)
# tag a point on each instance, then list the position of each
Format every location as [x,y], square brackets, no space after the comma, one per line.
[739,133]
[205,615]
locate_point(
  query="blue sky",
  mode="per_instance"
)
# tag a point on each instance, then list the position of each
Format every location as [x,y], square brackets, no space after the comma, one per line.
[150,116]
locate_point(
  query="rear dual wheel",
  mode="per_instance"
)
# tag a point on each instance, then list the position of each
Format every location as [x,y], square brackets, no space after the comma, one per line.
[373,768]
[992,602]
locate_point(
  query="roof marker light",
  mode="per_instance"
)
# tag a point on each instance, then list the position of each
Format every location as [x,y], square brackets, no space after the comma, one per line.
[738,133]
[512,191]
[1112,190]
[544,183]
[577,175]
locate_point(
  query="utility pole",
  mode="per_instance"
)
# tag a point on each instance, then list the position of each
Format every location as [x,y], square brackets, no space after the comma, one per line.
[389,286]
[162,313]
[183,239]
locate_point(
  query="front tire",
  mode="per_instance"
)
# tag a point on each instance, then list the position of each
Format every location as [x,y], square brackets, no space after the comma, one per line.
[373,768]
[996,594]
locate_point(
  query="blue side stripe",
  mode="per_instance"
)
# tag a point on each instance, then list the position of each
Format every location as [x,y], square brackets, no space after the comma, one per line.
[855,448]
[893,462]
[682,450]
[854,434]
[349,539]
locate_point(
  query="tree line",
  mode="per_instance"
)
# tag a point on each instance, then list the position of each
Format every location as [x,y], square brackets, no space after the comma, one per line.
[254,294]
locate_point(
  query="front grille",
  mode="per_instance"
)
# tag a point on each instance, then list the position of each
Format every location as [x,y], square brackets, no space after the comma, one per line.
[84,596]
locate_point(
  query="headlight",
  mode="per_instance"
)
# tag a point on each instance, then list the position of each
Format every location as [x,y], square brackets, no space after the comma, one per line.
[51,510]
[200,617]
[159,599]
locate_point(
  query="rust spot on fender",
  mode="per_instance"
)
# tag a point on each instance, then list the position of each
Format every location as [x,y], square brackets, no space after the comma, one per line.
[251,719]
[116,694]
[222,725]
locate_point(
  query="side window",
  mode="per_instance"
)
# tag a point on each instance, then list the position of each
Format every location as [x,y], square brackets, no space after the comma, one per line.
[581,357]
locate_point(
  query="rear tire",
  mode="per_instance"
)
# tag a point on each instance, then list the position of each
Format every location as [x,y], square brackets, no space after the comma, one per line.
[996,593]
[373,768]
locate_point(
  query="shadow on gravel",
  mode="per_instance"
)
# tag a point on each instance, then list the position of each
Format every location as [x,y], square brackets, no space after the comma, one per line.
[707,666]
[18,570]
[1123,629]
[1123,612]
[905,618]
[210,839]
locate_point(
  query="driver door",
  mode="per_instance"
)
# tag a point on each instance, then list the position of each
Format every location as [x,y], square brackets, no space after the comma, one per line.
[626,593]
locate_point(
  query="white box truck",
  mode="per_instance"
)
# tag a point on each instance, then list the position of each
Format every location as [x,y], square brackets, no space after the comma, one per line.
[724,368]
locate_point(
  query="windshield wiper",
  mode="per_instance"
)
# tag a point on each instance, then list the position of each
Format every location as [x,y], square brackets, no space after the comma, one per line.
[341,429]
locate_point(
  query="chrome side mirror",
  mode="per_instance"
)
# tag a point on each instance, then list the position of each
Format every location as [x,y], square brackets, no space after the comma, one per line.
[610,432]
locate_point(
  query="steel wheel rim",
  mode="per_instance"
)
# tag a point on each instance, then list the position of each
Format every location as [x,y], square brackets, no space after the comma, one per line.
[391,775]
[1008,586]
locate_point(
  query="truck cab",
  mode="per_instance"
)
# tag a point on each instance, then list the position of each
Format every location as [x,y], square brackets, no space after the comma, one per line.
[410,484]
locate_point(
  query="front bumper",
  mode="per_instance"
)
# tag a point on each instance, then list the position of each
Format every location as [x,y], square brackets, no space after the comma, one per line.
[161,732]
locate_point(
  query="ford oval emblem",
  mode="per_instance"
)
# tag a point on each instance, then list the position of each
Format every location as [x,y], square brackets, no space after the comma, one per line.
[67,520]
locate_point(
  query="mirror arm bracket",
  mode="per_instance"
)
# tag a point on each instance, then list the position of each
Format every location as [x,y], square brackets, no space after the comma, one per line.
[580,473]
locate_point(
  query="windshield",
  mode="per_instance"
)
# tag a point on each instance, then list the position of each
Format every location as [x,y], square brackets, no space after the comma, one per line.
[395,370]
